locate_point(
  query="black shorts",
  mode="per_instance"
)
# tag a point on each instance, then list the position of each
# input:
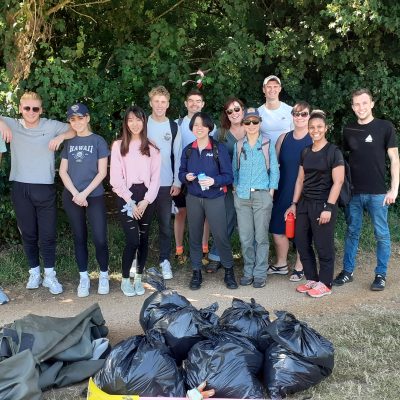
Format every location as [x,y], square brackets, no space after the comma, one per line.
[180,200]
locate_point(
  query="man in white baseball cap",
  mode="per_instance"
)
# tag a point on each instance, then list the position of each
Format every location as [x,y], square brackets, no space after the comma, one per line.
[276,115]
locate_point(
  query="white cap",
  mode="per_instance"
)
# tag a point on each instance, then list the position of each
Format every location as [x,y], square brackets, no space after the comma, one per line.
[271,78]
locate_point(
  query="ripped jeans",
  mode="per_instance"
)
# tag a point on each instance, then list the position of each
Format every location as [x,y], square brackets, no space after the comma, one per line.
[136,232]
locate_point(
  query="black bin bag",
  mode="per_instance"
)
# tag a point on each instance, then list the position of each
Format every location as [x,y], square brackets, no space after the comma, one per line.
[297,358]
[181,328]
[141,365]
[251,319]
[162,302]
[228,362]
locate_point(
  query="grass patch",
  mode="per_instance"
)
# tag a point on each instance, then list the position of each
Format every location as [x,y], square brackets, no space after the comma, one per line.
[367,355]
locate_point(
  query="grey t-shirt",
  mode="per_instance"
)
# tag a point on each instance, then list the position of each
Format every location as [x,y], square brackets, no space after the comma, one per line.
[83,153]
[31,159]
[160,134]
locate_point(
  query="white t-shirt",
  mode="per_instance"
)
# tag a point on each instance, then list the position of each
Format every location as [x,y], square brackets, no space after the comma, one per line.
[276,122]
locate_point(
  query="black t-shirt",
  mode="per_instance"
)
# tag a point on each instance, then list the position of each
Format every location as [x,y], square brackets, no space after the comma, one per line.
[367,145]
[318,172]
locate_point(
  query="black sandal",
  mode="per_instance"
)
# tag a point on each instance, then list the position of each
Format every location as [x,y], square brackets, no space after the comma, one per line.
[296,276]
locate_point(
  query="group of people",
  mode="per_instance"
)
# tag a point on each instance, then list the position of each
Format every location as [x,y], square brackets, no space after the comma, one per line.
[260,165]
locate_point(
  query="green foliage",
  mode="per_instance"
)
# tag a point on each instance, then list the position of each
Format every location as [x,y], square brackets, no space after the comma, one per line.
[110,54]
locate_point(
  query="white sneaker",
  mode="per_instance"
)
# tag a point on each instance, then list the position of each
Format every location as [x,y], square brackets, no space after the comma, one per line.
[104,285]
[34,280]
[139,289]
[83,288]
[132,271]
[127,288]
[166,270]
[51,282]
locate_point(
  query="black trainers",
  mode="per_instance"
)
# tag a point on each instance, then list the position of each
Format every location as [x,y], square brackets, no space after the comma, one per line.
[213,266]
[379,283]
[197,279]
[342,278]
[229,279]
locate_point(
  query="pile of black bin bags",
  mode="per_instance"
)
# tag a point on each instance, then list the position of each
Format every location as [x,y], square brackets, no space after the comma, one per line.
[240,355]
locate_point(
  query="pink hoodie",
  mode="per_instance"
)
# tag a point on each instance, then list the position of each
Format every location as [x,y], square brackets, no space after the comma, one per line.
[134,168]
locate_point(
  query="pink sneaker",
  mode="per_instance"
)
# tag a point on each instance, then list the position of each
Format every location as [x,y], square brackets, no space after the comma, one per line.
[306,286]
[319,290]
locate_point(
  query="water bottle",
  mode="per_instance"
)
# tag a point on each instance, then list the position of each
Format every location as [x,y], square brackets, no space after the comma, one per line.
[200,177]
[289,228]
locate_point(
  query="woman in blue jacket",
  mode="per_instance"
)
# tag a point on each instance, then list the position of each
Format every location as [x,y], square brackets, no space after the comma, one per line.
[206,170]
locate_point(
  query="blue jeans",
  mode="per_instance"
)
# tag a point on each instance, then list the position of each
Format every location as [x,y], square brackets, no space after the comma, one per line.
[373,204]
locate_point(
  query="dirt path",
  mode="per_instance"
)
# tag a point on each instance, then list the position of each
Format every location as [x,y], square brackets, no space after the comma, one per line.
[122,313]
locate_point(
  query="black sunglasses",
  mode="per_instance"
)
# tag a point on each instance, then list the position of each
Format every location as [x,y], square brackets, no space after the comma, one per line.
[232,110]
[300,114]
[34,109]
[248,122]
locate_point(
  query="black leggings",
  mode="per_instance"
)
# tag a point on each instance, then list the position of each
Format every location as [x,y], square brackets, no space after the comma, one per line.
[308,231]
[136,232]
[35,209]
[96,215]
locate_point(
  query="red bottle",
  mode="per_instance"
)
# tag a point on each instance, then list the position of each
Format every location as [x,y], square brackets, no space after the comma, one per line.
[290,223]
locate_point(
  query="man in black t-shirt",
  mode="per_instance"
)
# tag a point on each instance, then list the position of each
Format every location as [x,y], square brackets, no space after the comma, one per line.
[367,142]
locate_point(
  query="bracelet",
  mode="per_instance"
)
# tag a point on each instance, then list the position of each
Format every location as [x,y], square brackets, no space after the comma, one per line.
[293,203]
[328,207]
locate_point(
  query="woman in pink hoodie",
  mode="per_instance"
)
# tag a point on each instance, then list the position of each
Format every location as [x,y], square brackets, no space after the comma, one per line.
[135,178]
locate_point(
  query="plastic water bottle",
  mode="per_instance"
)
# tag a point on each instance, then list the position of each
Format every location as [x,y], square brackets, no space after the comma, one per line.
[290,225]
[200,177]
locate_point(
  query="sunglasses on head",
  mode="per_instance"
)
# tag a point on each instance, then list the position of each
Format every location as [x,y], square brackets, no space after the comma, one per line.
[300,114]
[34,109]
[232,110]
[251,121]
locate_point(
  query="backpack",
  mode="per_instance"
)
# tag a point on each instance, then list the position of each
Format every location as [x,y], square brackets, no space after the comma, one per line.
[264,147]
[189,150]
[346,192]
[174,131]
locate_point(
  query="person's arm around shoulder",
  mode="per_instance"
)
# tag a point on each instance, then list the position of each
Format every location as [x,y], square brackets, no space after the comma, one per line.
[391,195]
[5,131]
[273,170]
[63,132]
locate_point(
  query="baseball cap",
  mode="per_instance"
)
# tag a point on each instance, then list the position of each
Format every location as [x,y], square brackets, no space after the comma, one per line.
[251,112]
[271,78]
[77,109]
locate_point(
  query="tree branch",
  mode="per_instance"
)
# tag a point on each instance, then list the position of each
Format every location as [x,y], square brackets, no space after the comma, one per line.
[89,4]
[167,11]
[57,7]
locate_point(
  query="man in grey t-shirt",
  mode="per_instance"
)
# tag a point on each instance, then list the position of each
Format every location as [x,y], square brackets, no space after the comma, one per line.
[159,131]
[33,142]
